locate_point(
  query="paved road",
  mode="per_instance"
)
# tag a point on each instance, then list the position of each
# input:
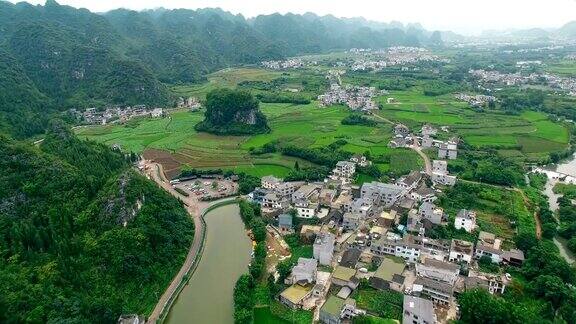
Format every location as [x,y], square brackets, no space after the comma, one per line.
[156,173]
[195,208]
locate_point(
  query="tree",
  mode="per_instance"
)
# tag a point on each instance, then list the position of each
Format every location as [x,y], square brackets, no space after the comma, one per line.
[258,229]
[525,241]
[232,112]
[551,288]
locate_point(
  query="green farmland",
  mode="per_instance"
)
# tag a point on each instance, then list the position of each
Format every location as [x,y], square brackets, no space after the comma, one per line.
[530,134]
[299,125]
[173,140]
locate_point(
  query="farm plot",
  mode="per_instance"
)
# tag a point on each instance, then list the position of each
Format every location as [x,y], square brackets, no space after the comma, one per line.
[531,134]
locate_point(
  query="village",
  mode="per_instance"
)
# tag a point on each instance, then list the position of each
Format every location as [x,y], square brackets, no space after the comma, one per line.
[375,235]
[284,64]
[109,115]
[565,84]
[357,98]
[393,56]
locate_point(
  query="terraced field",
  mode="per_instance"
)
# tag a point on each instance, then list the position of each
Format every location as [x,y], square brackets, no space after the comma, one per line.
[301,125]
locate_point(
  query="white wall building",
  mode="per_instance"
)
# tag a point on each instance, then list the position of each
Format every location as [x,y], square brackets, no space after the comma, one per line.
[465,219]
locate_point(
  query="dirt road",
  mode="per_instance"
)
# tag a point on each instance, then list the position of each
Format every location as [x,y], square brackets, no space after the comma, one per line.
[427,163]
[415,147]
[527,202]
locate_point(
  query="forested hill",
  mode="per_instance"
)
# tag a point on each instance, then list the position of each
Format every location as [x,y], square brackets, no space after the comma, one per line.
[83,238]
[55,57]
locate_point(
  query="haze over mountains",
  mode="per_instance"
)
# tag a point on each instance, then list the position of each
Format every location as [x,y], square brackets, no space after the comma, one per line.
[56,57]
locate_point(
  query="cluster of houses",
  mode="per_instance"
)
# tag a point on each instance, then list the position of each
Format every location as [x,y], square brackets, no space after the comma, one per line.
[565,84]
[282,65]
[359,236]
[393,56]
[116,114]
[447,150]
[402,55]
[357,98]
[476,100]
[191,103]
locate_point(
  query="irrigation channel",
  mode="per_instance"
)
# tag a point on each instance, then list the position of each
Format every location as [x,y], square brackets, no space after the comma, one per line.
[568,168]
[207,298]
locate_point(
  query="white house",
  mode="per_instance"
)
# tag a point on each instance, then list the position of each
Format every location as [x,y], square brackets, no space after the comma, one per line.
[382,193]
[465,219]
[304,271]
[461,251]
[487,250]
[344,170]
[448,150]
[270,182]
[438,270]
[418,311]
[306,209]
[440,173]
[323,248]
[430,212]
[360,160]
[428,130]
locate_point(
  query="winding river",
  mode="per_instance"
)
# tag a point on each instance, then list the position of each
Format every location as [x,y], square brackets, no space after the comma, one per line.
[207,298]
[568,168]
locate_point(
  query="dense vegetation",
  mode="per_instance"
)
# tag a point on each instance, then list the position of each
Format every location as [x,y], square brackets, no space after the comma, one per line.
[232,112]
[355,119]
[83,238]
[55,57]
[244,289]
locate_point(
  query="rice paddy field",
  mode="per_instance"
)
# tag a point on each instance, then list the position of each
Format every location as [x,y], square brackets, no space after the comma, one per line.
[529,135]
[174,141]
[565,68]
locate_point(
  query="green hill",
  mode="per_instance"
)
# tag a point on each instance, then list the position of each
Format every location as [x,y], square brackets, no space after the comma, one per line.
[82,237]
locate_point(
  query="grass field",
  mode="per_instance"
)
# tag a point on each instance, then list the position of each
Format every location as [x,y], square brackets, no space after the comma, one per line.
[527,136]
[492,216]
[564,68]
[385,304]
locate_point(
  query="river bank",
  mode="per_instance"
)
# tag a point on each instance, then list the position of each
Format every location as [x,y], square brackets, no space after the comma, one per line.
[566,168]
[208,296]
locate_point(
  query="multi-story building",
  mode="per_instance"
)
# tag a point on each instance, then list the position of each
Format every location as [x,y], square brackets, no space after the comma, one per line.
[461,251]
[323,248]
[440,173]
[448,150]
[383,194]
[430,212]
[351,221]
[270,182]
[465,219]
[438,270]
[418,311]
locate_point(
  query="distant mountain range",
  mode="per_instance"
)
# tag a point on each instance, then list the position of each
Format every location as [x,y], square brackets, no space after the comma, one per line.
[55,57]
[567,31]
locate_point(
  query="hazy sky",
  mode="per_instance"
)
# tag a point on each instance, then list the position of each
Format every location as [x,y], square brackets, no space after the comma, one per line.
[464,16]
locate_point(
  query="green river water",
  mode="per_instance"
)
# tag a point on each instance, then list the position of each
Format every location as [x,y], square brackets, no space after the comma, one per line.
[208,296]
